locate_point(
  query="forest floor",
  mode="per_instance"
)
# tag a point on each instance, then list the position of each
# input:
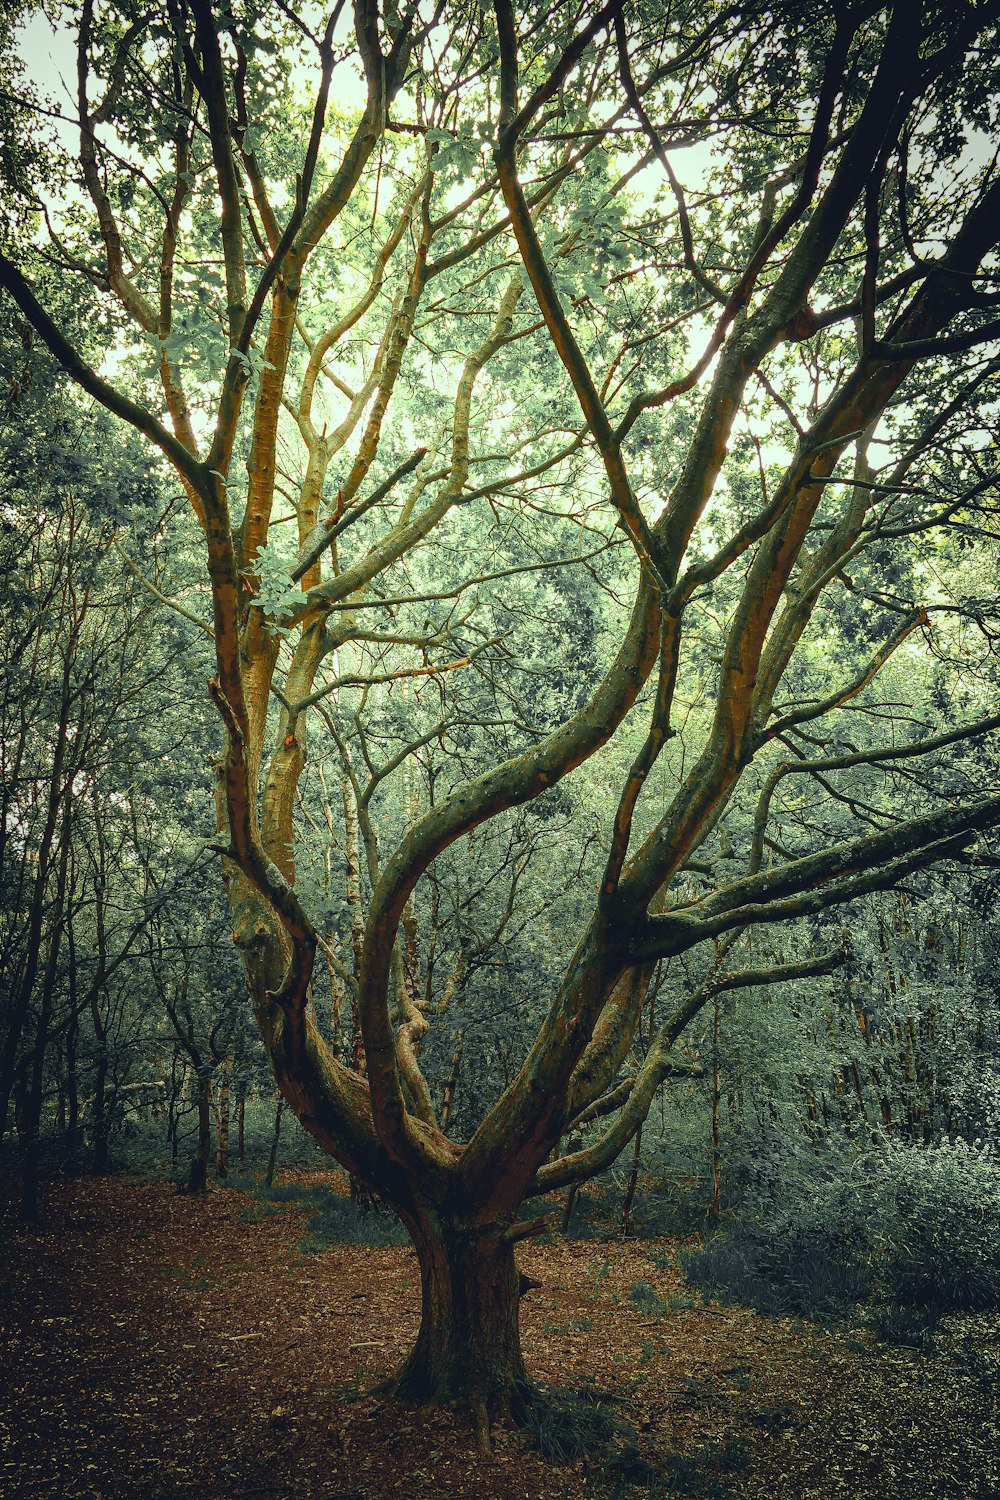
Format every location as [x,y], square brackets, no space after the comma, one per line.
[154,1345]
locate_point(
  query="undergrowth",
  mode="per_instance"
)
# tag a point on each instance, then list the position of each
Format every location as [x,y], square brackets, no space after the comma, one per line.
[334,1219]
[574,1423]
[912,1233]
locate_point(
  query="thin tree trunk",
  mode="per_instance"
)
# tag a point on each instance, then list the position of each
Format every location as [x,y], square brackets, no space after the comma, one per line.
[568,1210]
[272,1160]
[31,1126]
[177,1089]
[36,1074]
[241,1117]
[448,1096]
[352,890]
[633,1181]
[101,1123]
[72,1093]
[716,1096]
[198,1176]
[60,1074]
[19,1008]
[222,1141]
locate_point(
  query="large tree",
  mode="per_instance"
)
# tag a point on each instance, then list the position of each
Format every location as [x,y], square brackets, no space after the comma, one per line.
[541,327]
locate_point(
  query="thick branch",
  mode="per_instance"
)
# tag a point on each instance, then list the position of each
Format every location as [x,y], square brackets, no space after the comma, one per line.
[810,884]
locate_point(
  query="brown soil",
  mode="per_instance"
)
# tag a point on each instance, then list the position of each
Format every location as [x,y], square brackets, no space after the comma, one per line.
[154,1345]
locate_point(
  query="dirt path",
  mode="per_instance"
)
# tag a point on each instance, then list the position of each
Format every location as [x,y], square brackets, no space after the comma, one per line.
[153,1345]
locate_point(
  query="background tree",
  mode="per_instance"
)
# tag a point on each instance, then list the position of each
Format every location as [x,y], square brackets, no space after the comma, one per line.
[87,706]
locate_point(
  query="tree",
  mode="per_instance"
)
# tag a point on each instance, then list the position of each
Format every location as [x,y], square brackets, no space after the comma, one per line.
[200,998]
[87,691]
[77,682]
[488,336]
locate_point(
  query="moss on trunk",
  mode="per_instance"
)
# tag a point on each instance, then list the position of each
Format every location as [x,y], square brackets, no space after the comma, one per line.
[468,1348]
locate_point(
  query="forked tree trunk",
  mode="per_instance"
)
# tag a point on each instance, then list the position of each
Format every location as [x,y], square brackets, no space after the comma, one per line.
[468,1348]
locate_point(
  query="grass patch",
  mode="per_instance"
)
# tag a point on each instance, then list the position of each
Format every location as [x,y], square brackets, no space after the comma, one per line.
[333,1219]
[572,1325]
[578,1423]
[572,1422]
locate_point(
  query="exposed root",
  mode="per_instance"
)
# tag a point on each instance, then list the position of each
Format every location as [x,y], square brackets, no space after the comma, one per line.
[481,1425]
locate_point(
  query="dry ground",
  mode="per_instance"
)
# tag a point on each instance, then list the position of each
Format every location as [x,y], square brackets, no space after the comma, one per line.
[153,1345]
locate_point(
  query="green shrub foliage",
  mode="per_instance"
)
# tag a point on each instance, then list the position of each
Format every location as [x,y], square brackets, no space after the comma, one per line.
[904,1226]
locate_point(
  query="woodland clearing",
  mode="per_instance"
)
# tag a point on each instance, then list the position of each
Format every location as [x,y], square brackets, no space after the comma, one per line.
[166,1345]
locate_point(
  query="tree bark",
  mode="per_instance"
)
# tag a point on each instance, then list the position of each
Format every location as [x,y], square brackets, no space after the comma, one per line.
[272,1160]
[222,1142]
[198,1176]
[468,1348]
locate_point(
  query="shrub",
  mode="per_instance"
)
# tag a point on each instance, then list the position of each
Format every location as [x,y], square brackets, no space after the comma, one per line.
[644,1296]
[906,1327]
[810,1255]
[911,1227]
[943,1250]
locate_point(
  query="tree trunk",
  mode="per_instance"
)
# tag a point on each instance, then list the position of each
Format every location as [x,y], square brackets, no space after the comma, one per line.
[36,1087]
[468,1348]
[222,1141]
[18,1005]
[101,1122]
[178,1088]
[352,890]
[59,1074]
[716,1206]
[29,1126]
[653,991]
[448,1096]
[633,1183]
[72,1097]
[241,1123]
[198,1177]
[272,1160]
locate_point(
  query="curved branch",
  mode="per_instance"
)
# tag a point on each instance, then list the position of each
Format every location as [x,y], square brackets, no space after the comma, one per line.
[15,283]
[817,881]
[658,1065]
